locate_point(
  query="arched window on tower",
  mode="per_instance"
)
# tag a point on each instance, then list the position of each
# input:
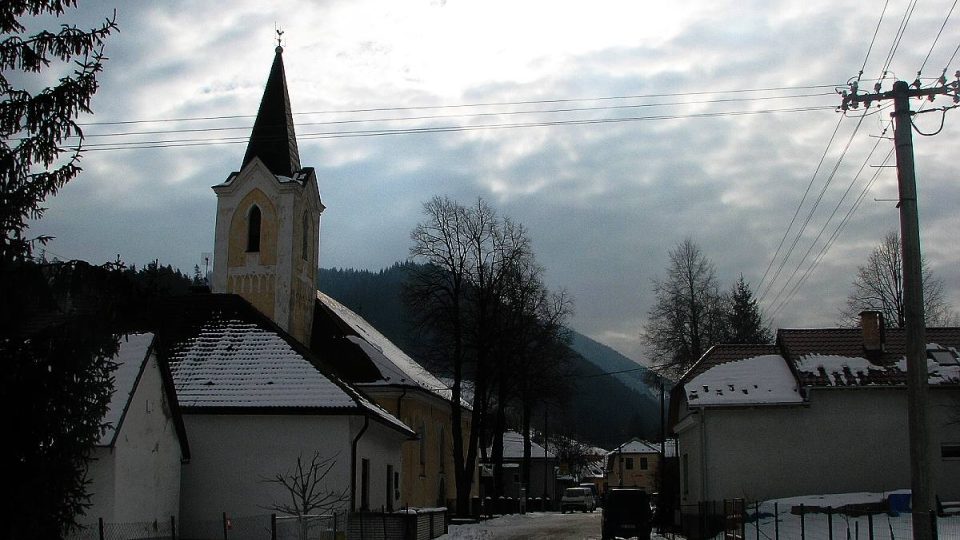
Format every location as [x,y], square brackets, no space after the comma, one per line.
[305,241]
[253,229]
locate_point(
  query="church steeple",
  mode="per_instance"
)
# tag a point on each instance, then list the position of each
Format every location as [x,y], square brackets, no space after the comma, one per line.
[273,139]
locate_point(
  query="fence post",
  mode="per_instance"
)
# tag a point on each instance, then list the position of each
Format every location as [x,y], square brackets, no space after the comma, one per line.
[225,537]
[273,526]
[173,528]
[100,524]
[334,525]
[830,522]
[870,526]
[933,525]
[756,516]
[776,521]
[803,530]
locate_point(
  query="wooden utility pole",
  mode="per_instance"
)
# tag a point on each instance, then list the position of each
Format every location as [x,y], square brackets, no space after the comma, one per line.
[923,503]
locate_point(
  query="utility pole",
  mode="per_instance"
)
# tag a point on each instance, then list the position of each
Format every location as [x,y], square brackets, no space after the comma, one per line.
[915,326]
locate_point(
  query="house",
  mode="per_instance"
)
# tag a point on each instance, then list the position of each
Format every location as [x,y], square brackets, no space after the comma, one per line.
[821,411]
[362,355]
[635,463]
[135,467]
[543,469]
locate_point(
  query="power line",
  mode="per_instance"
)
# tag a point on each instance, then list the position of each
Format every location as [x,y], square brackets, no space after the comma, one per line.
[440,129]
[467,105]
[907,15]
[813,209]
[873,39]
[797,211]
[934,44]
[471,115]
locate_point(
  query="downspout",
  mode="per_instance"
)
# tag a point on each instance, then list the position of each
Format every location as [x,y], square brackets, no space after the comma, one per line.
[400,403]
[353,464]
[703,454]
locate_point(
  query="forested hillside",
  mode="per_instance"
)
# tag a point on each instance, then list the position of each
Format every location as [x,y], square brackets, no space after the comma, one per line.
[603,409]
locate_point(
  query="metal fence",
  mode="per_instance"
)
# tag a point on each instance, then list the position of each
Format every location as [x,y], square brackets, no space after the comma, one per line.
[745,520]
[223,527]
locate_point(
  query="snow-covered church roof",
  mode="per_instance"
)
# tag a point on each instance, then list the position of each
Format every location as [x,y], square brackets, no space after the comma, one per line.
[393,366]
[224,355]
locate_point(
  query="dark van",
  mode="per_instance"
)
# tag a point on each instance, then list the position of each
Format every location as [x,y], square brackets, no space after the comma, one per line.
[626,513]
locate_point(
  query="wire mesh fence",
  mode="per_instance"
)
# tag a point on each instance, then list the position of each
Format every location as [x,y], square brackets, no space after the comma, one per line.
[744,520]
[223,527]
[158,530]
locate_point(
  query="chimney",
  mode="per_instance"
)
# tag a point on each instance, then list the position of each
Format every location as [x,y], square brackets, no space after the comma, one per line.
[871,327]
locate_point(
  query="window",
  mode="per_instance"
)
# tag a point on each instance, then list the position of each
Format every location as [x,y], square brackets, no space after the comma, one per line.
[643,464]
[253,229]
[389,494]
[685,472]
[441,446]
[423,448]
[950,451]
[305,242]
[629,463]
[364,484]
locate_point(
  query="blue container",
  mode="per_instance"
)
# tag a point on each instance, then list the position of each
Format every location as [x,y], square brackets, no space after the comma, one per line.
[898,502]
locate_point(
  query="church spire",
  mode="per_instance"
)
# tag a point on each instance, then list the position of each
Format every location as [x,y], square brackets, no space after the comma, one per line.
[273,139]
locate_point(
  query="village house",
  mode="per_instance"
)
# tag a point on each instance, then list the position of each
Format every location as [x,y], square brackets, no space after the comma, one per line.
[543,470]
[135,466]
[635,463]
[821,411]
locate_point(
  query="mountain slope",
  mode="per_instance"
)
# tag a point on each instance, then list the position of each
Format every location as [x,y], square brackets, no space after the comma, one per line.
[604,409]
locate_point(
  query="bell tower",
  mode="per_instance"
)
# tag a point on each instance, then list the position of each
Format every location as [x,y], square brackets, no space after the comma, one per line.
[267,238]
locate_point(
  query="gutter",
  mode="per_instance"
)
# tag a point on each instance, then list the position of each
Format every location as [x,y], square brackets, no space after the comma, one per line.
[353,463]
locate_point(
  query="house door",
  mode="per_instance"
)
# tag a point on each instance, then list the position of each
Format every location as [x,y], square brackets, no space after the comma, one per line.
[389,488]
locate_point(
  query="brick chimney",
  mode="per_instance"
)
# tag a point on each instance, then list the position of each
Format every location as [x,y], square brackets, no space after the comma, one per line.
[871,327]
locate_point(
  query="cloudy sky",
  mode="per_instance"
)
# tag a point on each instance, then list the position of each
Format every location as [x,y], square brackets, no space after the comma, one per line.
[611,130]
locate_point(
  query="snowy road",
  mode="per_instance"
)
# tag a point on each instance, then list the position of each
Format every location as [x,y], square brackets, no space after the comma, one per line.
[532,526]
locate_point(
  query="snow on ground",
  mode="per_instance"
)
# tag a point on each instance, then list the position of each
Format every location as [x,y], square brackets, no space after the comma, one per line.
[532,526]
[780,519]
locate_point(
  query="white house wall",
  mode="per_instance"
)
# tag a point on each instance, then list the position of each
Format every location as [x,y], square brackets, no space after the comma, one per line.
[233,455]
[137,480]
[381,445]
[843,441]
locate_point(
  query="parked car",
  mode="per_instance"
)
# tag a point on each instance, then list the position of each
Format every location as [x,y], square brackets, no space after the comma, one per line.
[626,513]
[577,498]
[593,490]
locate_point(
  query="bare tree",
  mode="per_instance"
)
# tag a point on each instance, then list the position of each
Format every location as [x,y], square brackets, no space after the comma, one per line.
[688,314]
[307,490]
[879,287]
[460,297]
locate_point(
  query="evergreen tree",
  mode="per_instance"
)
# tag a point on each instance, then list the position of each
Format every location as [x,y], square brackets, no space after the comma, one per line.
[57,325]
[744,321]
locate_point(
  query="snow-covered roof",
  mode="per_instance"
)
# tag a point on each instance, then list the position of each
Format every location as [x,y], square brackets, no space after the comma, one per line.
[513,447]
[636,446]
[759,380]
[943,367]
[130,360]
[228,355]
[395,366]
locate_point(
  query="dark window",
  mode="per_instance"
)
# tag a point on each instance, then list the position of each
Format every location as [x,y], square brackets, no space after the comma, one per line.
[685,472]
[442,444]
[629,463]
[950,451]
[643,464]
[305,243]
[253,229]
[364,484]
[389,488]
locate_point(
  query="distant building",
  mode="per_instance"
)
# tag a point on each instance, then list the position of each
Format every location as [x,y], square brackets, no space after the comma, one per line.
[635,463]
[543,469]
[822,411]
